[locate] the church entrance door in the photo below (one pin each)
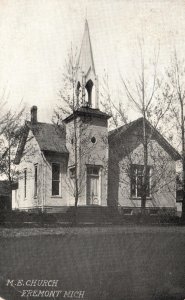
(93, 185)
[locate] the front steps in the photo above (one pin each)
(93, 214)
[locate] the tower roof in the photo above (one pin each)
(85, 64)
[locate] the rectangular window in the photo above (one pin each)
(137, 179)
(55, 179)
(35, 181)
(72, 174)
(25, 182)
(93, 170)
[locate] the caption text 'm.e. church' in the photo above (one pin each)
(27, 292)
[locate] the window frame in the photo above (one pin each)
(93, 167)
(94, 172)
(135, 169)
(72, 176)
(25, 183)
(54, 180)
(35, 180)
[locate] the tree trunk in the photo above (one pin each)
(183, 188)
(145, 157)
(183, 160)
(76, 174)
(9, 162)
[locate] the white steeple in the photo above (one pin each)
(86, 79)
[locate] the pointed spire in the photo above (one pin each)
(85, 68)
(85, 60)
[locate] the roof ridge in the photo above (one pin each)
(161, 139)
(49, 138)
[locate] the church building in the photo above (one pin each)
(81, 162)
(50, 157)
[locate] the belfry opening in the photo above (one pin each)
(89, 88)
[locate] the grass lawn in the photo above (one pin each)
(107, 263)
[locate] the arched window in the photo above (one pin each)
(78, 89)
(89, 86)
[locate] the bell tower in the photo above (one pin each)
(86, 79)
(87, 133)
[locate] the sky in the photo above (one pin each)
(35, 37)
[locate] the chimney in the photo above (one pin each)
(34, 114)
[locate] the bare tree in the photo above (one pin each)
(11, 132)
(69, 101)
(149, 96)
(176, 82)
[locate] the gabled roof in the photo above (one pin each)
(50, 138)
(125, 130)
